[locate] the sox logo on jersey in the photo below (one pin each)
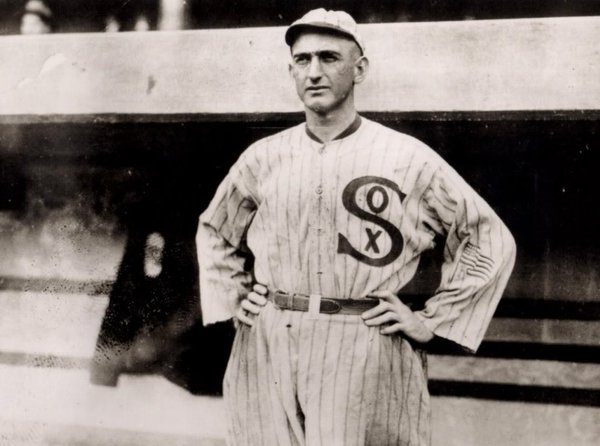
(375, 190)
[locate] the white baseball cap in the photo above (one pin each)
(339, 22)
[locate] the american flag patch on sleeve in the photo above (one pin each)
(477, 264)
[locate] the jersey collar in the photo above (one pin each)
(353, 127)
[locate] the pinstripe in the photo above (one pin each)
(446, 194)
(345, 228)
(319, 252)
(391, 394)
(303, 393)
(407, 392)
(274, 399)
(288, 189)
(489, 310)
(228, 388)
(322, 384)
(267, 204)
(336, 380)
(389, 389)
(253, 180)
(405, 386)
(299, 207)
(248, 427)
(280, 209)
(348, 383)
(360, 429)
(334, 215)
(272, 210)
(219, 218)
(378, 380)
(258, 373)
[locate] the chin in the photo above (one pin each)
(318, 106)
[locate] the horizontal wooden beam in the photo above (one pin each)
(489, 65)
(289, 118)
(523, 372)
(512, 392)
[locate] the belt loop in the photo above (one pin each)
(314, 306)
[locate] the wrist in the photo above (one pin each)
(421, 333)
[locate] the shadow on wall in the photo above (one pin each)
(153, 321)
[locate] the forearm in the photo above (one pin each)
(464, 304)
(223, 279)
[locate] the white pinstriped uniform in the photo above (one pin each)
(343, 219)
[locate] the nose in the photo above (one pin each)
(315, 70)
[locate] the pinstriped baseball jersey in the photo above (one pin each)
(349, 217)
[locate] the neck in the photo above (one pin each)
(327, 126)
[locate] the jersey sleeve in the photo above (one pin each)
(479, 255)
(220, 242)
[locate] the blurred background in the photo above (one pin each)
(119, 118)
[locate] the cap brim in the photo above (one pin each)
(292, 32)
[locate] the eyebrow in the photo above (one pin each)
(317, 53)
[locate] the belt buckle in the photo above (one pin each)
(283, 300)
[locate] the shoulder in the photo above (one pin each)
(396, 140)
(277, 140)
(260, 154)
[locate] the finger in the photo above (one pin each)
(256, 299)
(376, 311)
(244, 318)
(250, 307)
(392, 329)
(387, 296)
(380, 320)
(260, 289)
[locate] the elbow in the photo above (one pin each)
(509, 251)
(512, 247)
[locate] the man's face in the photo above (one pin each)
(324, 69)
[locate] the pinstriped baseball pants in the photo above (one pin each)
(293, 380)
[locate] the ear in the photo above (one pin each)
(290, 68)
(361, 69)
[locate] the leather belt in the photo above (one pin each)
(327, 305)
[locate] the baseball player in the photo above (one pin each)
(335, 213)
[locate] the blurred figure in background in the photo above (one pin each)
(112, 24)
(133, 15)
(37, 18)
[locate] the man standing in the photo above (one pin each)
(335, 213)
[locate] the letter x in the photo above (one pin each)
(372, 244)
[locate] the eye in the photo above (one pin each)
(301, 60)
(329, 57)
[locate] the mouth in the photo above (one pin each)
(316, 89)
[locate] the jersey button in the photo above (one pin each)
(319, 189)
